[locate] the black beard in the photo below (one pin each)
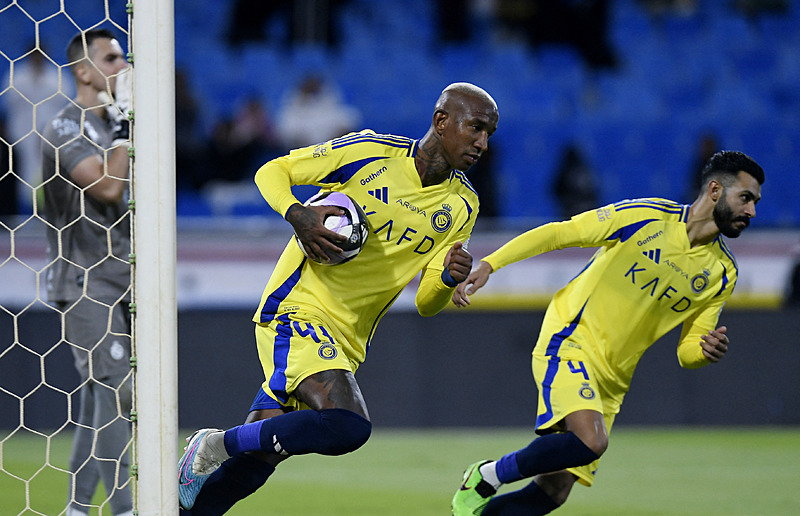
(724, 218)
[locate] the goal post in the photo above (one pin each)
(42, 393)
(154, 249)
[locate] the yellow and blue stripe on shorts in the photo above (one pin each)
(291, 348)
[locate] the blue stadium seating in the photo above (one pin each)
(679, 76)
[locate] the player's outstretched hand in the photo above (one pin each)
(309, 226)
(715, 344)
(474, 281)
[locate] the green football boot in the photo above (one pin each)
(474, 493)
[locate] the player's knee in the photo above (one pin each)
(349, 431)
(598, 443)
(589, 427)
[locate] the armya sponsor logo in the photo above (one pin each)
(407, 205)
(677, 268)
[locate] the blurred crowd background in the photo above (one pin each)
(599, 100)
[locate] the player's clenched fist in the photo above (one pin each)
(458, 262)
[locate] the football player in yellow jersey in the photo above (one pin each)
(315, 321)
(659, 264)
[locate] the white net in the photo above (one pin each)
(66, 379)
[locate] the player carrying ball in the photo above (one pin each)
(315, 321)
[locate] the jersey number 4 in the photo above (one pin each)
(580, 368)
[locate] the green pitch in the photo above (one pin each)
(648, 472)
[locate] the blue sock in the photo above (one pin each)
(236, 479)
(327, 432)
(545, 454)
(531, 500)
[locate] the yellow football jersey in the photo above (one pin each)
(644, 280)
(411, 230)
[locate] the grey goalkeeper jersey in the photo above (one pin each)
(88, 241)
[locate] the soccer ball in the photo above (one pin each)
(352, 225)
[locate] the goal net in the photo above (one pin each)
(70, 438)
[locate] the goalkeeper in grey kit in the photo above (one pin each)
(85, 170)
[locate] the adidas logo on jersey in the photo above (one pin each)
(653, 254)
(382, 194)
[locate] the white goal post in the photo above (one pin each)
(154, 247)
(41, 394)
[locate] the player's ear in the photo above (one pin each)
(440, 118)
(82, 72)
(715, 190)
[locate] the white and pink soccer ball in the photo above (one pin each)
(352, 225)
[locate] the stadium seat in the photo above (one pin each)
(677, 75)
(192, 204)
